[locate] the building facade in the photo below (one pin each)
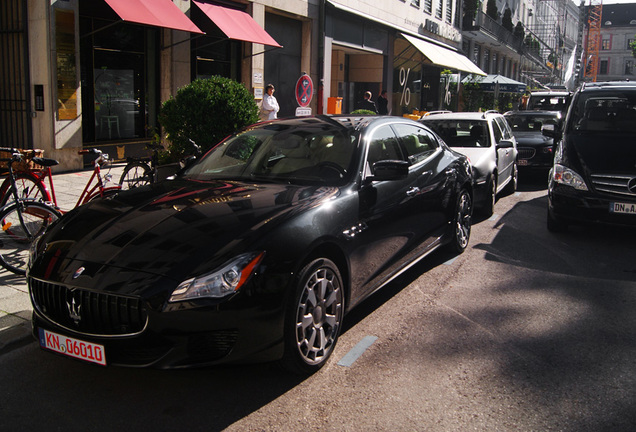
(618, 30)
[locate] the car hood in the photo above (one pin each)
(174, 229)
(603, 153)
(532, 139)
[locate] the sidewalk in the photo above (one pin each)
(15, 306)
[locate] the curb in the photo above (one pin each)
(15, 337)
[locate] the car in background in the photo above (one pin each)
(256, 251)
(593, 178)
(549, 101)
(535, 150)
(487, 140)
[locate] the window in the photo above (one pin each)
(487, 61)
(603, 67)
(449, 11)
(428, 6)
(440, 9)
(629, 44)
(476, 54)
(606, 43)
(629, 67)
(417, 142)
(415, 3)
(383, 146)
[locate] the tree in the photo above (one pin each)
(491, 9)
(470, 11)
(519, 31)
(205, 111)
(506, 20)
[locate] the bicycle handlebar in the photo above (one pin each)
(89, 151)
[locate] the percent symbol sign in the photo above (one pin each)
(406, 91)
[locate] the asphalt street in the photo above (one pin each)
(525, 331)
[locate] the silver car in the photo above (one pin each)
(487, 140)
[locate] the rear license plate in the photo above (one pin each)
(625, 208)
(72, 347)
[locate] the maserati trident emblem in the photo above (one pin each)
(78, 272)
(74, 310)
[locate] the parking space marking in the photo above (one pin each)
(357, 351)
(494, 217)
(451, 261)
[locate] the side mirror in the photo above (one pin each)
(389, 170)
(505, 144)
(551, 131)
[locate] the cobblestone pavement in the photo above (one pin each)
(15, 306)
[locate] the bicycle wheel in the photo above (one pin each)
(29, 187)
(17, 233)
(136, 174)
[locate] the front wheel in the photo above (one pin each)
(313, 319)
(21, 223)
(462, 222)
(136, 174)
(29, 187)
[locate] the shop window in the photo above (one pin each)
(66, 69)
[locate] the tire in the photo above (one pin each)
(489, 206)
(555, 224)
(461, 224)
(313, 319)
(511, 187)
(136, 174)
(28, 188)
(16, 237)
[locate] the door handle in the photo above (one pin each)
(413, 191)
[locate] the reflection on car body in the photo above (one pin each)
(255, 252)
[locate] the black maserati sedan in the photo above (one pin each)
(254, 253)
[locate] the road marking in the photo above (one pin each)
(494, 217)
(451, 261)
(357, 351)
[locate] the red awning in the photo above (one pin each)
(236, 24)
(159, 13)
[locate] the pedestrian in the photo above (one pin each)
(367, 103)
(383, 103)
(269, 107)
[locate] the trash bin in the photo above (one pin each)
(334, 105)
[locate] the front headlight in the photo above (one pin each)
(226, 280)
(564, 175)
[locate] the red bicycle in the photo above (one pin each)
(32, 185)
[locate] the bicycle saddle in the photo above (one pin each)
(45, 162)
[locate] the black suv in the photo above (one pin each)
(593, 178)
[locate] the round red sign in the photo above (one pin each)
(304, 90)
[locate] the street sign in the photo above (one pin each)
(300, 112)
(304, 90)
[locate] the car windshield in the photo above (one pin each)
(281, 153)
(609, 112)
(462, 133)
(548, 102)
(529, 123)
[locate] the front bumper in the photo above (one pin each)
(573, 206)
(241, 330)
(535, 157)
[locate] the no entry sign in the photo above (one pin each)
(304, 90)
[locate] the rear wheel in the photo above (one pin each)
(313, 319)
(136, 174)
(29, 187)
(22, 223)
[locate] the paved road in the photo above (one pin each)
(526, 331)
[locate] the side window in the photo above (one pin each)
(496, 131)
(505, 128)
(417, 142)
(383, 146)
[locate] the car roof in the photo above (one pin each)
(534, 113)
(461, 116)
(608, 85)
(550, 93)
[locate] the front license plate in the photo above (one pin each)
(522, 162)
(72, 347)
(623, 208)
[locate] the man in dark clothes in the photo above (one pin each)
(383, 103)
(367, 103)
